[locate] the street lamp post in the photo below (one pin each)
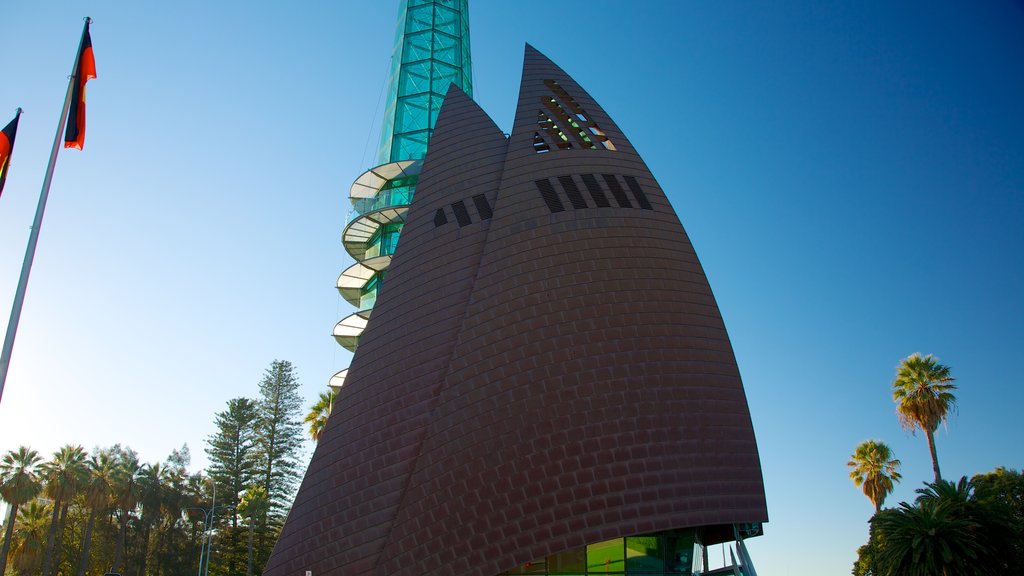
(207, 540)
(202, 541)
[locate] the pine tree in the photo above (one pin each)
(280, 433)
(234, 466)
(279, 430)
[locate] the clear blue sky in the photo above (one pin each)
(851, 174)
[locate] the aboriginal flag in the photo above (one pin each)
(74, 136)
(7, 147)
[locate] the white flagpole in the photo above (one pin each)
(33, 238)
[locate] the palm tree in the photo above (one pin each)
(19, 483)
(151, 497)
(928, 540)
(127, 473)
(29, 539)
(874, 470)
(64, 475)
(923, 392)
(318, 414)
(254, 505)
(102, 473)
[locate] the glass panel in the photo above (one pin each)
(680, 546)
(369, 295)
(442, 76)
(415, 78)
(568, 562)
(412, 146)
(645, 554)
(606, 557)
(446, 20)
(417, 46)
(412, 114)
(419, 18)
(447, 49)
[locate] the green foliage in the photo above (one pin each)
(923, 392)
(316, 419)
(280, 434)
(64, 475)
(874, 470)
(233, 453)
(948, 531)
(109, 510)
(1003, 490)
(19, 483)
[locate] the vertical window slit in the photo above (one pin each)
(617, 191)
(573, 192)
(595, 191)
(461, 214)
(547, 192)
(638, 193)
(483, 207)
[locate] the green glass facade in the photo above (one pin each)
(431, 53)
(675, 553)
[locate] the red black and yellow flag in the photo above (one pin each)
(7, 147)
(74, 136)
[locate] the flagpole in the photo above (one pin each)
(33, 238)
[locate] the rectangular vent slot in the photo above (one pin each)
(595, 191)
(617, 191)
(573, 192)
(440, 219)
(638, 193)
(461, 214)
(547, 192)
(483, 208)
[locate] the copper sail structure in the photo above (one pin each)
(431, 52)
(566, 401)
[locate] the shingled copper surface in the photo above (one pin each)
(532, 380)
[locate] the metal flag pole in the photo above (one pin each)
(33, 239)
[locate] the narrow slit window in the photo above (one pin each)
(483, 207)
(573, 192)
(440, 218)
(638, 193)
(617, 191)
(550, 196)
(594, 187)
(461, 214)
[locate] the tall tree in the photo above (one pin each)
(280, 444)
(29, 538)
(923, 392)
(280, 433)
(254, 508)
(64, 475)
(127, 473)
(233, 450)
(151, 495)
(234, 466)
(316, 419)
(874, 470)
(99, 487)
(19, 483)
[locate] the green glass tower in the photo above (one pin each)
(431, 53)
